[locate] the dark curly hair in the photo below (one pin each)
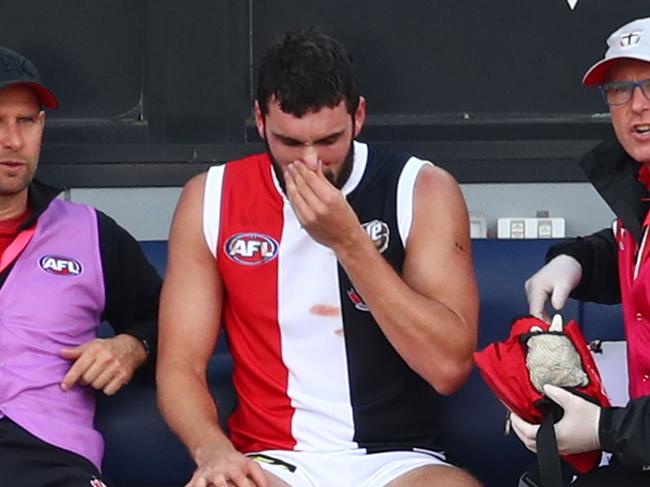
(306, 71)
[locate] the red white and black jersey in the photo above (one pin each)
(312, 369)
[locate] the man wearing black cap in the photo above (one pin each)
(611, 266)
(64, 268)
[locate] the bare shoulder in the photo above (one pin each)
(196, 182)
(191, 199)
(193, 190)
(435, 183)
(438, 198)
(188, 217)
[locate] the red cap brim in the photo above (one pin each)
(45, 97)
(597, 74)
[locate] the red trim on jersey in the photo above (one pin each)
(251, 204)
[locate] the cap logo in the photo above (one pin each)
(11, 64)
(631, 39)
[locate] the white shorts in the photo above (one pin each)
(351, 468)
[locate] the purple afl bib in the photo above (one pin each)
(52, 299)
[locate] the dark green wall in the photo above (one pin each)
(152, 91)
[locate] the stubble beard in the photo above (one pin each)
(12, 185)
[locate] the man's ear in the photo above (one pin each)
(40, 123)
(359, 116)
(259, 120)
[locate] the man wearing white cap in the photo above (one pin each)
(610, 266)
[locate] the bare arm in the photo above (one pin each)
(430, 313)
(190, 314)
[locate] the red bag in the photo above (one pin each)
(503, 367)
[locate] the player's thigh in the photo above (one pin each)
(435, 475)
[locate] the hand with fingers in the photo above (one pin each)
(220, 466)
(576, 432)
(103, 364)
(320, 207)
(554, 281)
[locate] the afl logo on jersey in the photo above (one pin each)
(60, 266)
(379, 233)
(251, 248)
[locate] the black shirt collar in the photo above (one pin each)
(39, 197)
(615, 175)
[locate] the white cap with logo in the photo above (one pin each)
(632, 41)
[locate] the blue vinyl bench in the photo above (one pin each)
(142, 452)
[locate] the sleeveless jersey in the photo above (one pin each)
(312, 369)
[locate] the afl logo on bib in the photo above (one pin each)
(251, 248)
(379, 233)
(60, 266)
